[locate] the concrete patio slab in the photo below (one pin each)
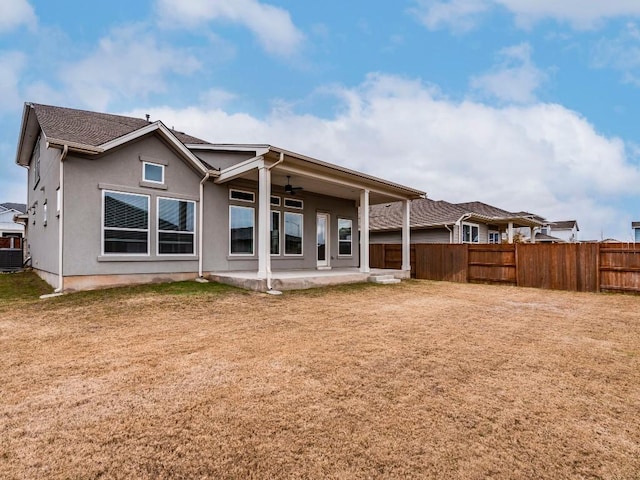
(301, 279)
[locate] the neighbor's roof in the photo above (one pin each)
(635, 224)
(565, 225)
(18, 207)
(542, 237)
(427, 213)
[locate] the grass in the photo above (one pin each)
(417, 380)
(21, 286)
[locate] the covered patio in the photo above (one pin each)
(291, 176)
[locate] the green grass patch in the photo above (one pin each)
(185, 288)
(22, 286)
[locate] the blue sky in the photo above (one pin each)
(524, 104)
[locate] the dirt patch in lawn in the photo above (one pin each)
(423, 379)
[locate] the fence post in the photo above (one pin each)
(515, 260)
(598, 266)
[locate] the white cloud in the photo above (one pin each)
(271, 25)
(459, 15)
(621, 53)
(127, 63)
(515, 79)
(14, 13)
(463, 15)
(541, 158)
(11, 66)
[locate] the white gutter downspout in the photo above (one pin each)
(450, 233)
(280, 160)
(200, 223)
(65, 151)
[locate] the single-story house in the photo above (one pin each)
(437, 221)
(115, 199)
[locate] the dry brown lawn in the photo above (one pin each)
(419, 380)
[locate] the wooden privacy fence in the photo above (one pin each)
(582, 267)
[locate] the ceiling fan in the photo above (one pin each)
(290, 189)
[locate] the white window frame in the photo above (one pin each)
(301, 254)
(44, 213)
(301, 207)
(148, 230)
(158, 231)
(350, 254)
(493, 233)
(144, 172)
(471, 227)
(275, 201)
(253, 239)
(279, 232)
(253, 195)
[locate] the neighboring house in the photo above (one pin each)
(8, 227)
(635, 226)
(437, 221)
(114, 199)
(566, 230)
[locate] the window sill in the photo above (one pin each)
(146, 258)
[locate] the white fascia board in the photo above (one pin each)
(160, 127)
(73, 146)
(370, 182)
(239, 169)
(227, 147)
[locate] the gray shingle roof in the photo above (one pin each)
(92, 128)
(20, 207)
(565, 225)
(432, 213)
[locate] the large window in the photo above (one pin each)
(126, 223)
(637, 230)
(344, 236)
(494, 237)
(470, 233)
(176, 227)
(241, 225)
(293, 229)
(275, 233)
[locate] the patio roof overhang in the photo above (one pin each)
(315, 176)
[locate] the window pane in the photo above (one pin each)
(344, 236)
(241, 223)
(153, 172)
(178, 243)
(275, 233)
(466, 233)
(475, 234)
(123, 210)
(291, 203)
(292, 233)
(123, 241)
(244, 196)
(176, 215)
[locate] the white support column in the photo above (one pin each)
(364, 231)
(510, 232)
(406, 235)
(264, 225)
